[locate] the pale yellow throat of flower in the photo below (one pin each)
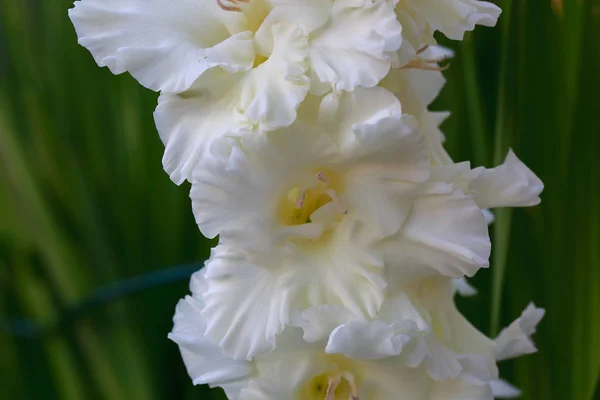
(301, 202)
(336, 385)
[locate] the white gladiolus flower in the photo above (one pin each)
(345, 228)
(243, 64)
(419, 343)
(319, 213)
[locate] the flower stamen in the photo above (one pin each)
(301, 197)
(332, 384)
(335, 380)
(323, 177)
(423, 64)
(422, 49)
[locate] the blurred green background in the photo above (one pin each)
(84, 203)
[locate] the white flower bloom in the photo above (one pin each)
(300, 370)
(420, 19)
(242, 65)
(303, 212)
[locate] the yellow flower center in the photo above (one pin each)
(300, 203)
(338, 385)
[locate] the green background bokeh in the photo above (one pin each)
(84, 203)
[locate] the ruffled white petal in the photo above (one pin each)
(355, 47)
(415, 34)
(165, 45)
(515, 340)
(318, 322)
(445, 234)
(246, 305)
(511, 184)
(248, 302)
(205, 362)
(272, 92)
(370, 340)
(429, 123)
(221, 103)
(416, 89)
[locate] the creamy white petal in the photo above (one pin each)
(515, 340)
(445, 234)
(504, 390)
(248, 302)
(511, 184)
(308, 15)
(189, 122)
(387, 153)
(473, 350)
(399, 307)
(370, 340)
(221, 103)
(416, 88)
(165, 45)
(204, 361)
(355, 47)
(388, 179)
(415, 34)
(489, 216)
(339, 112)
(246, 305)
(442, 362)
(429, 123)
(318, 322)
(273, 91)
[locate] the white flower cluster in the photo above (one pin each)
(345, 229)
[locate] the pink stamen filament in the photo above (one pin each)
(301, 197)
(424, 64)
